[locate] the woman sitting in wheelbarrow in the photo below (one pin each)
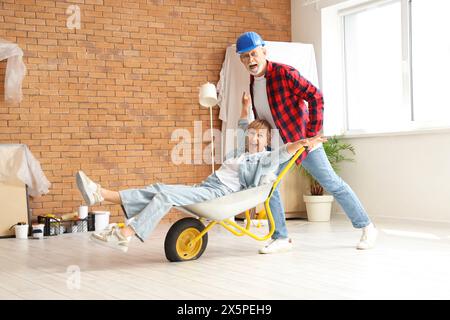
(243, 168)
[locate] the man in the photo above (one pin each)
(278, 93)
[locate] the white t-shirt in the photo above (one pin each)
(228, 173)
(262, 107)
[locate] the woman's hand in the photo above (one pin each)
(246, 103)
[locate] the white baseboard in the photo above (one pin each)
(398, 218)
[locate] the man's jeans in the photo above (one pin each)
(317, 164)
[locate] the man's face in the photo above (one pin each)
(255, 61)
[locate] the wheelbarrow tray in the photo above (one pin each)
(229, 205)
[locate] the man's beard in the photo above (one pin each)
(256, 70)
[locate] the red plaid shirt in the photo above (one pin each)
(287, 92)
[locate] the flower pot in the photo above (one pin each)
(318, 208)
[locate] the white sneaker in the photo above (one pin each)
(277, 245)
(368, 238)
(112, 237)
(89, 189)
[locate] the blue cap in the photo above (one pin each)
(248, 41)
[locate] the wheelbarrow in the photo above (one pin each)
(188, 237)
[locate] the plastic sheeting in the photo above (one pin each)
(15, 70)
(17, 164)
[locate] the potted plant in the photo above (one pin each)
(318, 205)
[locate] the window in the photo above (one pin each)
(430, 30)
(373, 65)
(394, 56)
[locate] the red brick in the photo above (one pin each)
(105, 98)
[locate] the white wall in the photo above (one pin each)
(402, 176)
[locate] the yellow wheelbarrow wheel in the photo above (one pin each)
(178, 246)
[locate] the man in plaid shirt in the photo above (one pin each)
(278, 93)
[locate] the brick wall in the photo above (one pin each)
(105, 98)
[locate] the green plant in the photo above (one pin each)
(334, 149)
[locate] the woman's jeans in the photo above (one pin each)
(149, 205)
(317, 164)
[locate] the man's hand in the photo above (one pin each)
(313, 141)
(246, 103)
(293, 147)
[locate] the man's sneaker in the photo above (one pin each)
(368, 238)
(277, 245)
(89, 189)
(112, 237)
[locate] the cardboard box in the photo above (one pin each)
(13, 207)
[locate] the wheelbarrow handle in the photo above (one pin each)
(274, 186)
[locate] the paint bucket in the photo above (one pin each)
(101, 220)
(37, 231)
(83, 212)
(21, 231)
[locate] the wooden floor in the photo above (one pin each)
(411, 261)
